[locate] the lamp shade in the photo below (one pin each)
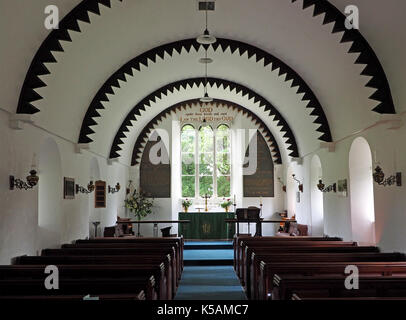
(206, 38)
(206, 98)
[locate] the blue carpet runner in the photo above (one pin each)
(208, 273)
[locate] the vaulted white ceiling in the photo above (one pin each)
(129, 28)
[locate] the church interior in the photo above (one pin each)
(202, 150)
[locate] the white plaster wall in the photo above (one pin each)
(19, 231)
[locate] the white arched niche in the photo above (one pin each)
(94, 213)
(316, 197)
(50, 194)
(361, 192)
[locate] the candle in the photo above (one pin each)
(234, 200)
(260, 201)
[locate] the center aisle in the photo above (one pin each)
(208, 273)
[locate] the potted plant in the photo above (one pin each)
(186, 203)
(140, 205)
(226, 204)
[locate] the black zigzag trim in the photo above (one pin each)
(143, 136)
(51, 43)
(151, 55)
(146, 102)
(360, 45)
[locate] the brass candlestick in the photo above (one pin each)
(205, 202)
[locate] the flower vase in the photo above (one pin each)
(226, 208)
(185, 209)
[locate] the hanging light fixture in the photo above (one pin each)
(206, 37)
(206, 98)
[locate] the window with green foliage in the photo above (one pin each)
(206, 167)
(223, 157)
(188, 141)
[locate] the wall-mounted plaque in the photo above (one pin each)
(100, 194)
(68, 188)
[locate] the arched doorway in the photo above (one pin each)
(361, 192)
(49, 195)
(316, 173)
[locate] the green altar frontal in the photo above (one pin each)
(206, 225)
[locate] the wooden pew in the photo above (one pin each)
(164, 287)
(116, 248)
(303, 297)
(241, 262)
(284, 286)
(132, 261)
(292, 250)
(75, 298)
(133, 285)
(145, 251)
(268, 270)
(178, 241)
(253, 268)
(247, 239)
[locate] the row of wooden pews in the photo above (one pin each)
(127, 268)
(300, 268)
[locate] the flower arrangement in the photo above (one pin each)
(139, 204)
(186, 204)
(226, 204)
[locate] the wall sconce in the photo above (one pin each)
(321, 187)
(379, 178)
(115, 189)
(32, 179)
(298, 181)
(90, 188)
(283, 185)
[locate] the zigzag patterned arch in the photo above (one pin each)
(359, 45)
(44, 55)
(188, 44)
(263, 128)
(163, 91)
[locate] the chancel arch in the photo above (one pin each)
(184, 105)
(361, 191)
(234, 92)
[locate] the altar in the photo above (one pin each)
(207, 225)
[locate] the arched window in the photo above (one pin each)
(223, 163)
(188, 149)
(206, 166)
